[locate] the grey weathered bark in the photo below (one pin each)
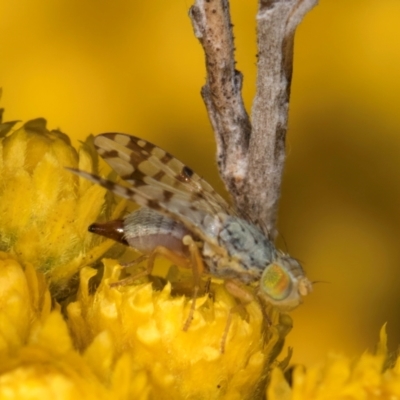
(250, 155)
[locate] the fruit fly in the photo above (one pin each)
(184, 219)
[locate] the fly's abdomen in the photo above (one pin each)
(146, 229)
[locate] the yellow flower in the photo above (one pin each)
(223, 355)
(44, 209)
(24, 302)
(372, 376)
(38, 359)
(128, 342)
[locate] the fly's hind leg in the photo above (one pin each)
(129, 280)
(195, 262)
(159, 251)
(197, 268)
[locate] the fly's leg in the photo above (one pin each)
(197, 268)
(237, 290)
(134, 262)
(207, 287)
(196, 263)
(159, 251)
(241, 294)
(129, 280)
(226, 331)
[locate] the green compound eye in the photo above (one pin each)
(276, 282)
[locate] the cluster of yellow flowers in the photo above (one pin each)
(65, 336)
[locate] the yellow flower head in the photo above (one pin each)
(147, 325)
(128, 342)
(37, 358)
(44, 209)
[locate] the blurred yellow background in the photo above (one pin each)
(134, 66)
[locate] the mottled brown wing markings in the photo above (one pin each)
(158, 176)
(166, 158)
(158, 200)
(167, 195)
(175, 174)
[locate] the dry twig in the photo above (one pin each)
(250, 155)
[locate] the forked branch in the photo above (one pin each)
(250, 155)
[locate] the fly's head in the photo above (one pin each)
(283, 283)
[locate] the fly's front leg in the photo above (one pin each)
(197, 268)
(240, 292)
(237, 290)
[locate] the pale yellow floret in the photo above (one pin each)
(46, 210)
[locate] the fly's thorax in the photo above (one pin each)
(283, 283)
(245, 243)
(241, 250)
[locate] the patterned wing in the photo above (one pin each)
(139, 162)
(161, 182)
(165, 202)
